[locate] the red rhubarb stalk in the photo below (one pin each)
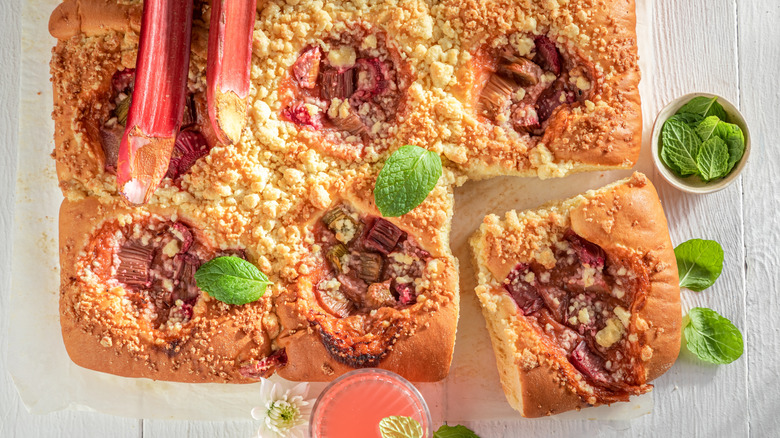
(229, 61)
(158, 98)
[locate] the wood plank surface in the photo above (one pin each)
(759, 48)
(696, 50)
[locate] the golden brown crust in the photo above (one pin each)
(93, 17)
(530, 382)
(81, 77)
(630, 216)
(102, 331)
(422, 349)
(603, 132)
(263, 192)
(625, 216)
(423, 355)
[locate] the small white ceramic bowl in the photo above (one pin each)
(693, 183)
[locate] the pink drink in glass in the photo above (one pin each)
(355, 403)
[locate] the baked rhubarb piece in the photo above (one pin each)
(523, 89)
(264, 127)
(190, 143)
(130, 305)
(548, 92)
(376, 292)
(348, 90)
(229, 62)
(158, 98)
(95, 78)
(581, 298)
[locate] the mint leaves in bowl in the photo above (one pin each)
(700, 143)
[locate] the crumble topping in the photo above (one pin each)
(581, 303)
(260, 193)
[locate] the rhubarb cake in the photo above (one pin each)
(260, 130)
(536, 88)
(581, 298)
(377, 291)
(129, 305)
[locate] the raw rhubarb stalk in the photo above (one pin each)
(229, 61)
(158, 98)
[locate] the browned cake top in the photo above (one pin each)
(528, 88)
(586, 292)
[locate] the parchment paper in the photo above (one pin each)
(48, 381)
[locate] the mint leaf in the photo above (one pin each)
(699, 263)
(691, 120)
(732, 135)
(679, 147)
(713, 159)
(232, 280)
(735, 140)
(706, 128)
(406, 179)
(454, 432)
(704, 107)
(400, 427)
(712, 337)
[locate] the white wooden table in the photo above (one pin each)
(727, 47)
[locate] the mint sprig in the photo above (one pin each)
(699, 263)
(232, 280)
(698, 140)
(708, 335)
(406, 179)
(711, 337)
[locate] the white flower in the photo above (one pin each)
(284, 413)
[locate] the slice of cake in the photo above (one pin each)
(581, 298)
(129, 304)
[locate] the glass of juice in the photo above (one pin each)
(355, 403)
